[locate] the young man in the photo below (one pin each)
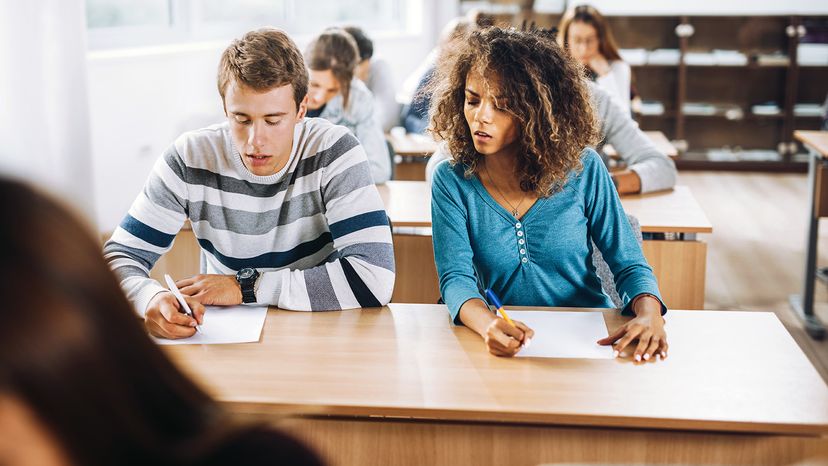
(284, 207)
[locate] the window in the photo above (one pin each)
(136, 23)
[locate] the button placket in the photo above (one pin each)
(521, 242)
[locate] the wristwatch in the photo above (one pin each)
(246, 279)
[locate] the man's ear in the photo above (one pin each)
(303, 108)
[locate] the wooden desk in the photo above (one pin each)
(413, 151)
(659, 139)
(401, 385)
(678, 260)
(817, 143)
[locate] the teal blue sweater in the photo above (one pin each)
(543, 259)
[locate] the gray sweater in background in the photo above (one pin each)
(656, 170)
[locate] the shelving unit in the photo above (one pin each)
(753, 138)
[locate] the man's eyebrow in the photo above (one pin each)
(269, 115)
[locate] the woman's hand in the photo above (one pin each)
(501, 338)
(647, 327)
(505, 339)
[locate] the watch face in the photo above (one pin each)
(244, 274)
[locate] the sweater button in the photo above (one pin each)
(521, 241)
(523, 251)
(517, 225)
(520, 233)
(524, 260)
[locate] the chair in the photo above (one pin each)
(393, 156)
(603, 270)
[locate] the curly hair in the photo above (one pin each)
(544, 92)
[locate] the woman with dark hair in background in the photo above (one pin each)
(586, 34)
(80, 381)
(376, 73)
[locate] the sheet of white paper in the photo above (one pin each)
(564, 334)
(226, 324)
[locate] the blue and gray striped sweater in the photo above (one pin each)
(317, 230)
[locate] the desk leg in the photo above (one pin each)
(803, 305)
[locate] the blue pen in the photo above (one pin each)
(492, 297)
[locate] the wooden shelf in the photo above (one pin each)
(676, 84)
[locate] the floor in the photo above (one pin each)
(756, 252)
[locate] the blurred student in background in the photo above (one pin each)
(586, 34)
(416, 87)
(376, 73)
(336, 95)
(80, 381)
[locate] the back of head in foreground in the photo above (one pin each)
(73, 353)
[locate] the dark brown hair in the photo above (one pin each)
(337, 51)
(544, 92)
(263, 59)
(73, 350)
(589, 15)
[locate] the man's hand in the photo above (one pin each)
(216, 290)
(164, 318)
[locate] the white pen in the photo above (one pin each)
(180, 298)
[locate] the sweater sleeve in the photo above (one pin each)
(148, 230)
(452, 247)
(655, 169)
(612, 233)
(360, 273)
(369, 133)
(385, 95)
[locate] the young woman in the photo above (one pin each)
(80, 381)
(585, 33)
(337, 96)
(516, 207)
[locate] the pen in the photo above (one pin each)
(496, 302)
(184, 306)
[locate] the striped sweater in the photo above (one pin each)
(316, 230)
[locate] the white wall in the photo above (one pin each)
(44, 117)
(142, 99)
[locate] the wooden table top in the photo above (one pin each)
(412, 144)
(817, 140)
(675, 211)
(408, 204)
(659, 139)
(726, 371)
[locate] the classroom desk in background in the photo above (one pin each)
(412, 153)
(803, 305)
(659, 139)
(402, 386)
(674, 217)
(414, 150)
